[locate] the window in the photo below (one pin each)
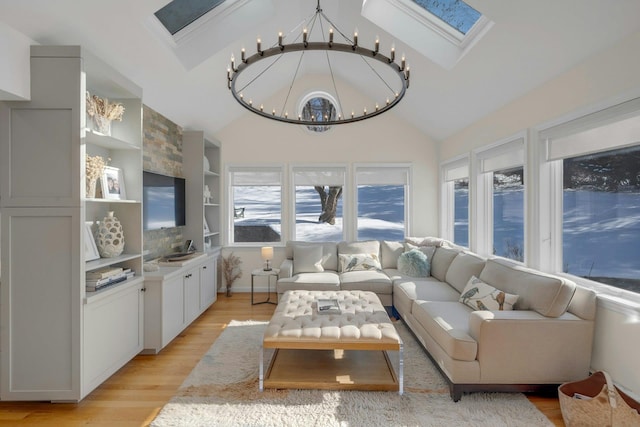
(256, 200)
(595, 179)
(177, 14)
(508, 213)
(500, 202)
(319, 107)
(381, 200)
(461, 212)
(455, 201)
(601, 217)
(455, 13)
(318, 197)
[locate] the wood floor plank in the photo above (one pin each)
(135, 394)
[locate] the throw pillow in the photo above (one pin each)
(359, 262)
(480, 296)
(414, 263)
(307, 259)
(427, 250)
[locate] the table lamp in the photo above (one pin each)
(267, 256)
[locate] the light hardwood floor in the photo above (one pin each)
(136, 393)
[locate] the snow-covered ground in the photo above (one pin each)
(601, 230)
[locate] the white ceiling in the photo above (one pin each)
(530, 43)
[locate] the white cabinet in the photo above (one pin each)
(175, 297)
(58, 341)
(203, 212)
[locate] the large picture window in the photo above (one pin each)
(455, 201)
(382, 195)
(256, 200)
(601, 217)
(318, 196)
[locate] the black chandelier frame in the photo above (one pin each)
(401, 70)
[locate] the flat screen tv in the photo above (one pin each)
(163, 201)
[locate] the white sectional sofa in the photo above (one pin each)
(543, 341)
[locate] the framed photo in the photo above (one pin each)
(206, 226)
(112, 183)
(90, 248)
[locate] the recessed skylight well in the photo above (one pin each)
(442, 30)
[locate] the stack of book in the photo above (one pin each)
(98, 279)
(328, 306)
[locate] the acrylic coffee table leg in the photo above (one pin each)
(261, 377)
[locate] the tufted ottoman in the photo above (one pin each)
(310, 346)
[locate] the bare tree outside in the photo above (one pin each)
(329, 197)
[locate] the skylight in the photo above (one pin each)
(455, 13)
(178, 14)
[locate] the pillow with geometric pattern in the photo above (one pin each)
(480, 296)
(359, 262)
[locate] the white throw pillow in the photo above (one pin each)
(307, 259)
(480, 296)
(359, 262)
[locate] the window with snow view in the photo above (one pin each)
(508, 213)
(461, 212)
(601, 217)
(256, 198)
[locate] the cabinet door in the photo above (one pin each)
(41, 303)
(191, 294)
(113, 334)
(173, 315)
(208, 288)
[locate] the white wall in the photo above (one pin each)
(15, 68)
(383, 139)
(602, 80)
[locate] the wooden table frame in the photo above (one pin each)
(364, 344)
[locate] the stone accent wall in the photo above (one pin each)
(162, 153)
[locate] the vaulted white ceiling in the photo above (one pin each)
(529, 43)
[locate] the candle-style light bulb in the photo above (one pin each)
(339, 116)
(330, 35)
(261, 107)
(233, 62)
(251, 103)
(243, 55)
(353, 114)
(228, 73)
(355, 38)
(273, 112)
(377, 45)
(393, 54)
(286, 114)
(280, 39)
(259, 43)
(365, 111)
(408, 71)
(304, 36)
(299, 117)
(241, 97)
(387, 101)
(377, 107)
(402, 63)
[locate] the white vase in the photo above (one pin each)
(110, 239)
(102, 124)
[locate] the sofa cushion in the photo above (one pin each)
(364, 247)
(414, 263)
(448, 324)
(307, 259)
(441, 261)
(359, 262)
(427, 250)
(480, 296)
(325, 281)
(389, 253)
(425, 241)
(329, 252)
(462, 268)
(371, 280)
(548, 295)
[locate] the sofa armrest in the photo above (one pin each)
(286, 269)
(525, 347)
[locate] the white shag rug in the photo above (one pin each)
(222, 390)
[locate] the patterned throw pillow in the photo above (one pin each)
(414, 263)
(480, 296)
(359, 262)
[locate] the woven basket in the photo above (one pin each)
(595, 401)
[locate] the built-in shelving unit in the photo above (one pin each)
(59, 341)
(202, 170)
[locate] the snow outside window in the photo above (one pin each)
(381, 199)
(508, 213)
(318, 196)
(255, 205)
(597, 224)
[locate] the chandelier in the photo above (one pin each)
(241, 90)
